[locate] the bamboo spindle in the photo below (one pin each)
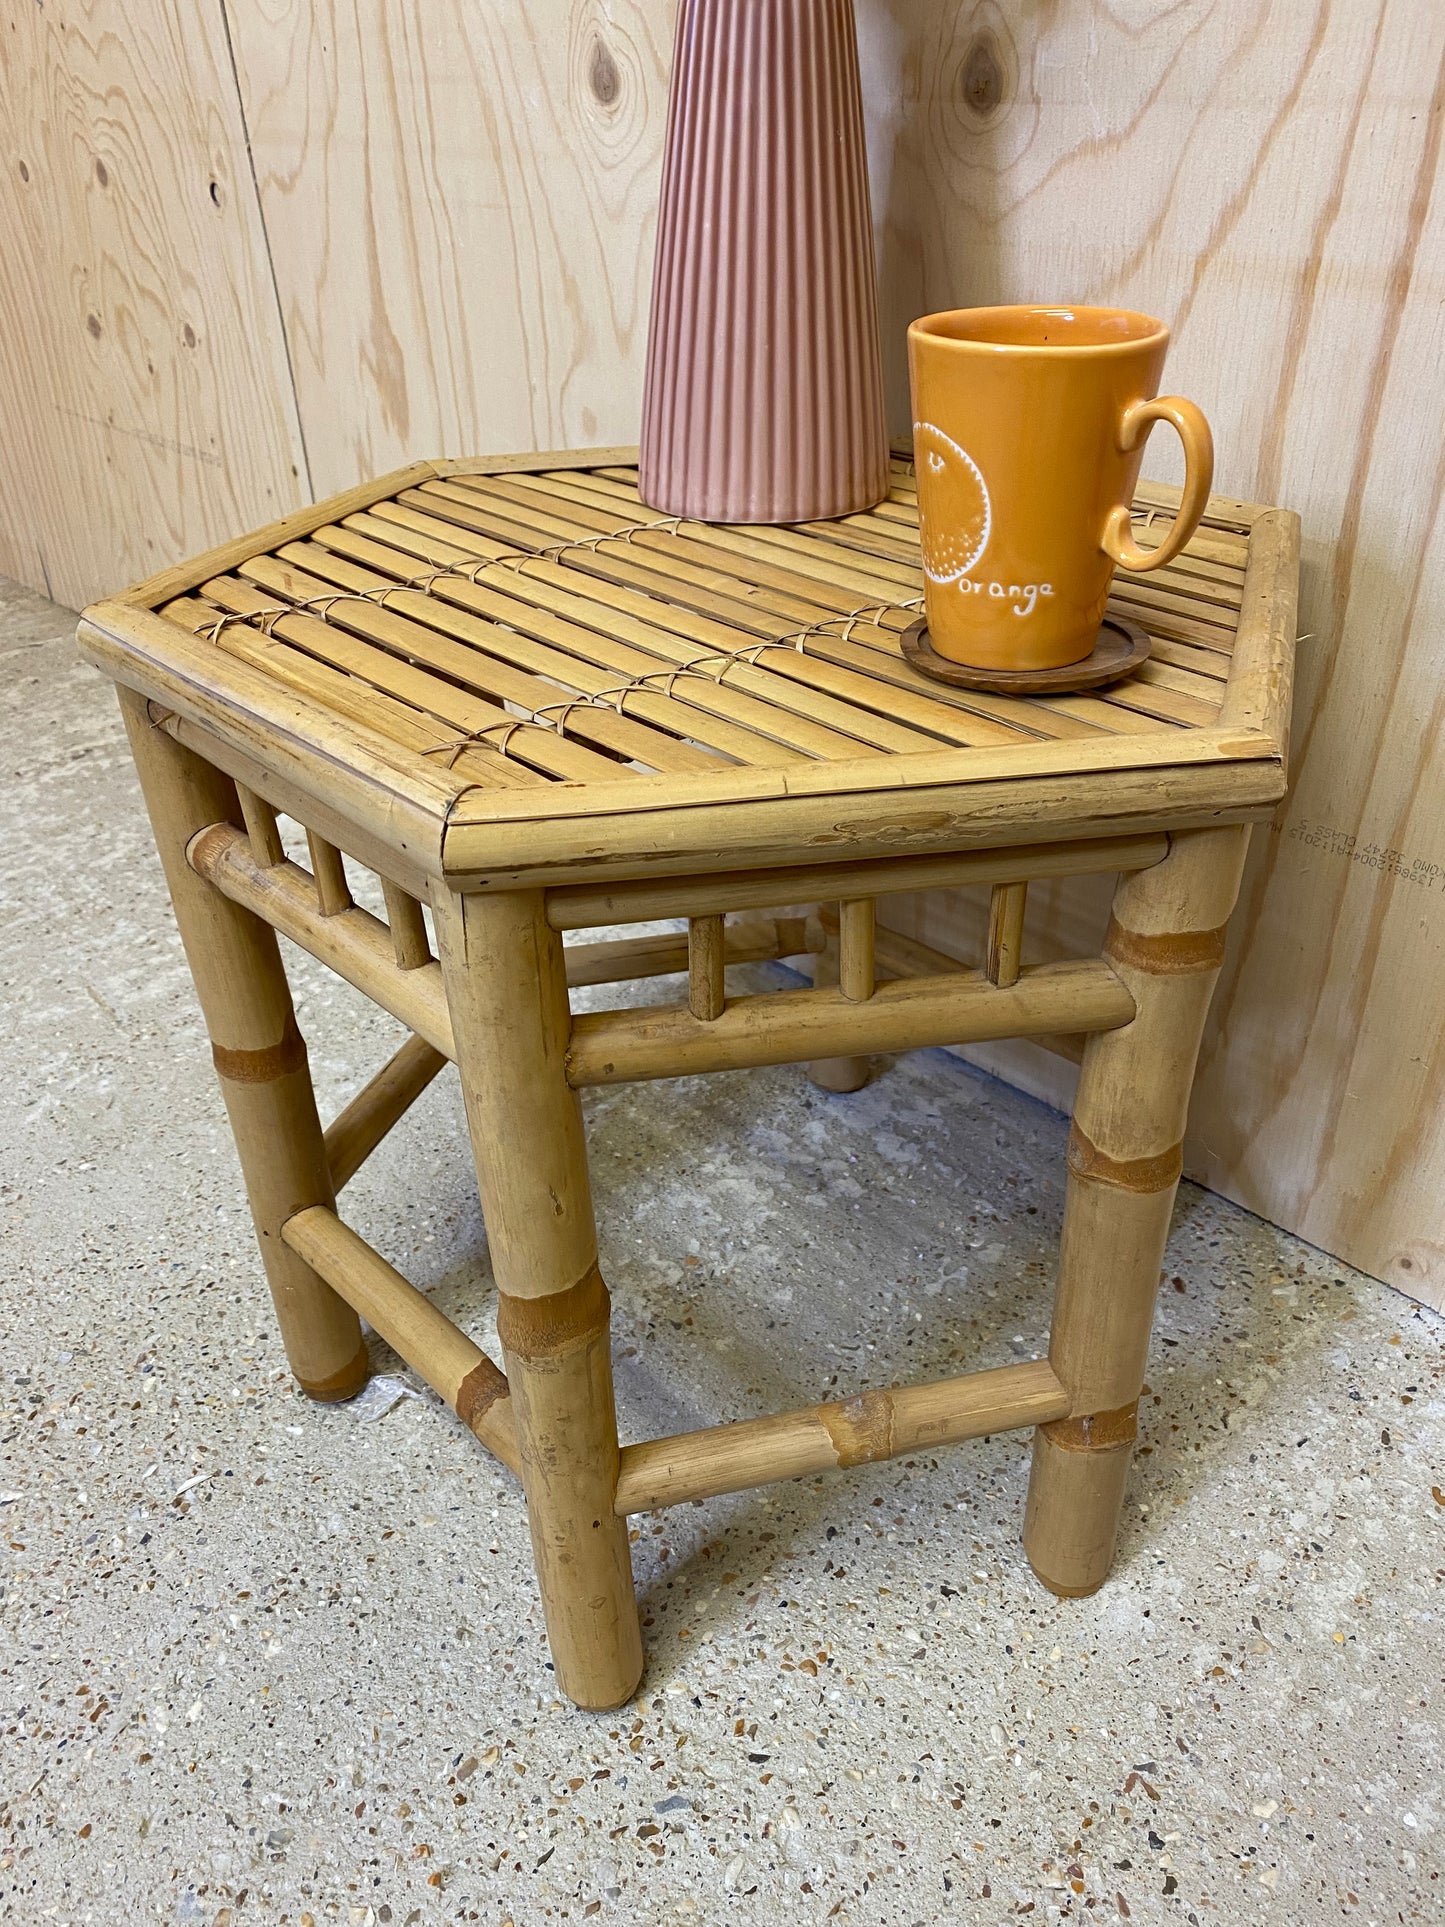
(355, 1133)
(456, 1369)
(358, 946)
(837, 1074)
(353, 943)
(332, 891)
(260, 821)
(1003, 956)
(507, 991)
(900, 956)
(749, 940)
(259, 1054)
(706, 990)
(857, 924)
(408, 927)
(1166, 943)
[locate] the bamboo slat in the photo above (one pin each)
(409, 728)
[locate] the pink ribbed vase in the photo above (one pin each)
(764, 391)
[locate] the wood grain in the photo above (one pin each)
(460, 202)
(1264, 176)
(144, 390)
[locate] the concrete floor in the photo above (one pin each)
(268, 1662)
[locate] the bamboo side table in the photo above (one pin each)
(527, 703)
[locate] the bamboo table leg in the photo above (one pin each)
(507, 990)
(1166, 941)
(841, 1074)
(259, 1054)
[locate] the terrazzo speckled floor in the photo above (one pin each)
(265, 1662)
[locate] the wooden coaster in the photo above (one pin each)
(1121, 647)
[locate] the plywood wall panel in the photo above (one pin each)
(460, 200)
(1267, 177)
(144, 392)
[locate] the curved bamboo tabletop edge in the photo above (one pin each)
(1186, 754)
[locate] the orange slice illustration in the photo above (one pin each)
(957, 515)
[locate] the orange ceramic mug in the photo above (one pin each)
(1029, 427)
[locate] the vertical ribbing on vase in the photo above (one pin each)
(764, 389)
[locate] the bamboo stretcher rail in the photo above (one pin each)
(353, 943)
(456, 1369)
(825, 1438)
(749, 940)
(356, 1131)
(901, 956)
(358, 946)
(582, 906)
(794, 1026)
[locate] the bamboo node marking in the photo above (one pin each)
(542, 1328)
(262, 1066)
(861, 1429)
(1149, 1174)
(341, 1385)
(1176, 954)
(479, 1392)
(1095, 1431)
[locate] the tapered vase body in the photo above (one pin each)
(764, 389)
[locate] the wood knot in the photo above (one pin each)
(983, 79)
(603, 76)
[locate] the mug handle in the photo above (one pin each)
(1192, 429)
